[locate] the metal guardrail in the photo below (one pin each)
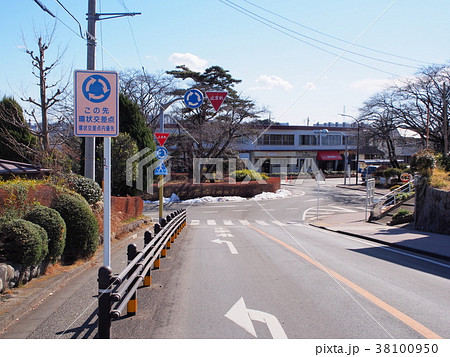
(391, 199)
(115, 292)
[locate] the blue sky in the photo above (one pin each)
(294, 80)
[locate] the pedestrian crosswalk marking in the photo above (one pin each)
(211, 222)
(262, 223)
(227, 222)
(195, 222)
(244, 222)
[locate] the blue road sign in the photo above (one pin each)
(96, 88)
(161, 169)
(193, 98)
(161, 153)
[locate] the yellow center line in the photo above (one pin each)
(417, 326)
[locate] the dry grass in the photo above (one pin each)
(440, 179)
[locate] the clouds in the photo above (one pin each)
(371, 85)
(268, 82)
(194, 62)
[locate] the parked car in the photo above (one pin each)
(368, 171)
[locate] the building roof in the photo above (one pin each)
(20, 168)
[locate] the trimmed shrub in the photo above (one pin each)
(54, 225)
(23, 242)
(242, 175)
(424, 161)
(401, 213)
(86, 187)
(82, 227)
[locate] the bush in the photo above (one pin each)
(86, 187)
(401, 213)
(54, 225)
(424, 161)
(443, 162)
(23, 242)
(82, 227)
(392, 172)
(251, 175)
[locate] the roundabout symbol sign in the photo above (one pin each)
(193, 98)
(96, 88)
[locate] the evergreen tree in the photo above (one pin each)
(14, 132)
(132, 121)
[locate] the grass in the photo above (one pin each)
(440, 179)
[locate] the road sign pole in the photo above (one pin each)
(107, 203)
(161, 197)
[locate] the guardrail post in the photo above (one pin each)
(132, 303)
(148, 275)
(157, 229)
(104, 302)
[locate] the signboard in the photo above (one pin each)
(161, 137)
(161, 169)
(406, 177)
(161, 153)
(193, 98)
(96, 103)
(216, 99)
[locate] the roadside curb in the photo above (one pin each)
(394, 245)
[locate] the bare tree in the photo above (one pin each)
(48, 113)
(149, 91)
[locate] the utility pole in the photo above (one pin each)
(445, 121)
(92, 18)
(89, 142)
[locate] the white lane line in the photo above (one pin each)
(278, 223)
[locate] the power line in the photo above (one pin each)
(315, 40)
(334, 37)
(257, 18)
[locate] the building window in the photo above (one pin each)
(276, 139)
(308, 140)
(332, 140)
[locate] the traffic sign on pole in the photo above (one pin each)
(193, 98)
(161, 169)
(161, 137)
(161, 153)
(216, 99)
(96, 103)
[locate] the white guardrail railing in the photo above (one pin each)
(392, 198)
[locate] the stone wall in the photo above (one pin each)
(432, 210)
(188, 190)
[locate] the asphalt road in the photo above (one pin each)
(255, 269)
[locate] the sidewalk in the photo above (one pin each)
(354, 224)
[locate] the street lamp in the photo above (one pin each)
(357, 144)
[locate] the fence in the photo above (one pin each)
(115, 292)
(389, 201)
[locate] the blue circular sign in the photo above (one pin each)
(96, 88)
(193, 98)
(161, 153)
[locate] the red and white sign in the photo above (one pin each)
(216, 99)
(161, 137)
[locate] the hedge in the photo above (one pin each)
(54, 225)
(82, 228)
(23, 242)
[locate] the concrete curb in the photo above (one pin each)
(394, 245)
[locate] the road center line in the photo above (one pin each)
(415, 325)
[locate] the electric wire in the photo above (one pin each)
(303, 41)
(336, 38)
(268, 22)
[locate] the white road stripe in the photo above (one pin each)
(195, 222)
(211, 222)
(244, 222)
(228, 222)
(262, 223)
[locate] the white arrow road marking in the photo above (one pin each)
(228, 243)
(224, 235)
(243, 316)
